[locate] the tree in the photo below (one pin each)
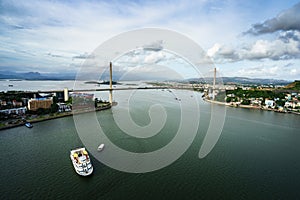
(228, 99)
(96, 102)
(246, 102)
(54, 108)
(280, 103)
(42, 111)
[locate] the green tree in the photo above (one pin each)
(42, 111)
(280, 103)
(96, 102)
(54, 108)
(229, 99)
(246, 102)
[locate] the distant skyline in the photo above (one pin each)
(256, 39)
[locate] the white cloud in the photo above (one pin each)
(53, 35)
(154, 57)
(285, 47)
(294, 72)
(154, 46)
(268, 71)
(284, 21)
(80, 26)
(214, 50)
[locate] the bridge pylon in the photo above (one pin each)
(110, 84)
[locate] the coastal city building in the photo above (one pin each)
(63, 107)
(269, 103)
(17, 103)
(17, 111)
(34, 104)
(3, 103)
(66, 94)
(255, 101)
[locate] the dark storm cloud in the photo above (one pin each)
(285, 21)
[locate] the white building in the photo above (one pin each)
(255, 101)
(288, 104)
(63, 107)
(269, 102)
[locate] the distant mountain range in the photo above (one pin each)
(72, 76)
(35, 76)
(243, 80)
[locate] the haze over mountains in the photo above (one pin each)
(72, 76)
(244, 80)
(36, 76)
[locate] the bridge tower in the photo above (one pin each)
(110, 84)
(214, 83)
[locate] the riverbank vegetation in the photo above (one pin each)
(276, 100)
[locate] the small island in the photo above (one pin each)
(103, 82)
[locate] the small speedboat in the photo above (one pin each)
(81, 161)
(100, 148)
(28, 125)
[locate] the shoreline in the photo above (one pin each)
(248, 107)
(58, 115)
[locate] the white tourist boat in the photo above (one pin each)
(81, 161)
(100, 147)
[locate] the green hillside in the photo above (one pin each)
(293, 86)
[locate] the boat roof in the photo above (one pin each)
(78, 149)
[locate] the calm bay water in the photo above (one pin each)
(24, 85)
(256, 157)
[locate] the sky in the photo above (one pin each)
(255, 39)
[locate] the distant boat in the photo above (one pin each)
(101, 147)
(81, 161)
(28, 125)
(10, 85)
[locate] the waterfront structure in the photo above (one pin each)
(255, 101)
(63, 107)
(292, 104)
(17, 103)
(17, 111)
(34, 104)
(82, 101)
(269, 103)
(66, 94)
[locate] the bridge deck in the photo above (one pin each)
(108, 89)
